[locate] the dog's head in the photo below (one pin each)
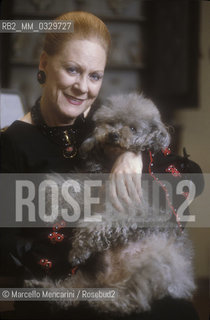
(128, 122)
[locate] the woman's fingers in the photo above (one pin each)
(125, 181)
(137, 177)
(117, 192)
(125, 190)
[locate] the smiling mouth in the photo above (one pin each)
(73, 100)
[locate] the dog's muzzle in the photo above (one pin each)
(113, 137)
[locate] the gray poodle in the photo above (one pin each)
(126, 122)
(142, 264)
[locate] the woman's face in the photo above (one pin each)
(73, 80)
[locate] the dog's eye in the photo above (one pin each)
(133, 129)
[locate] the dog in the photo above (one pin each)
(128, 122)
(143, 264)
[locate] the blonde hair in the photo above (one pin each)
(86, 26)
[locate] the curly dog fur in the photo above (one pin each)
(124, 123)
(142, 264)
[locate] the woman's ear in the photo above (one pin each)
(43, 61)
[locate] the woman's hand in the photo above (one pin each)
(125, 180)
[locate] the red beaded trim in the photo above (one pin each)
(57, 226)
(165, 190)
(74, 270)
(45, 263)
(166, 151)
(56, 237)
(173, 170)
(185, 194)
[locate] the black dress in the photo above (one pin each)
(24, 149)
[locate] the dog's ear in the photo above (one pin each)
(158, 138)
(87, 146)
(153, 136)
(163, 137)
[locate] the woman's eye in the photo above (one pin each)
(72, 70)
(96, 76)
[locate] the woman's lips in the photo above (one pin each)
(73, 100)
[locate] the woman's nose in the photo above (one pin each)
(81, 84)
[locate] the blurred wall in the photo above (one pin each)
(196, 138)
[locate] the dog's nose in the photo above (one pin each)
(113, 136)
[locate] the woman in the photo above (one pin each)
(71, 70)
